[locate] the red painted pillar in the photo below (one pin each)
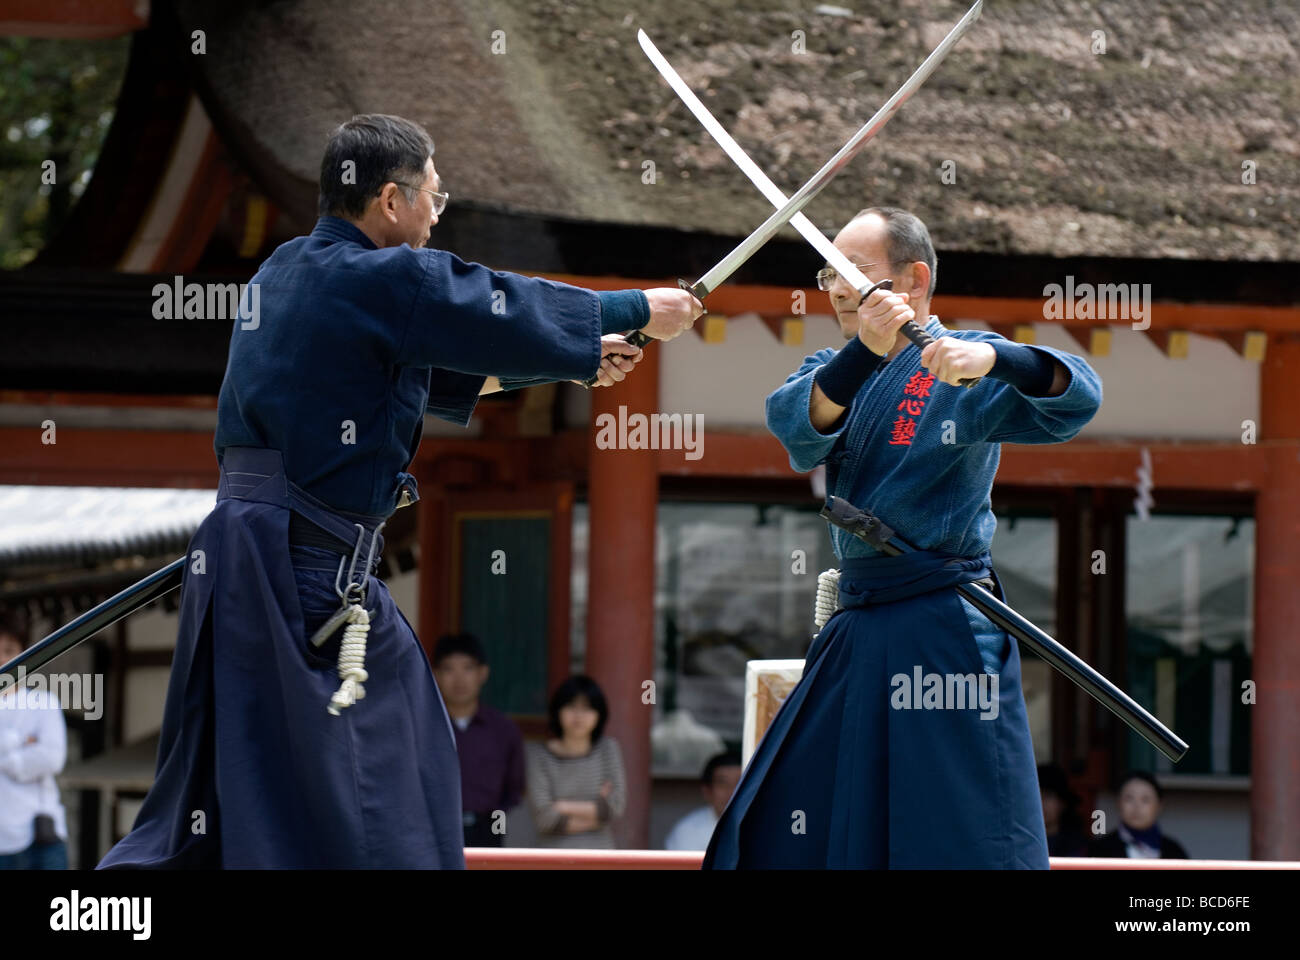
(1275, 756)
(623, 497)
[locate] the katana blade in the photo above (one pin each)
(747, 247)
(747, 166)
(819, 241)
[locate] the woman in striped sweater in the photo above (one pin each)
(576, 783)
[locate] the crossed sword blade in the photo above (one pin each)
(789, 209)
(819, 241)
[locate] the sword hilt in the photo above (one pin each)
(638, 339)
(911, 330)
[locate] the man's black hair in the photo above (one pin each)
(730, 758)
(365, 153)
(465, 643)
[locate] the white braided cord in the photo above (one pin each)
(828, 597)
(352, 660)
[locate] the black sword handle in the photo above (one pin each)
(912, 331)
(638, 339)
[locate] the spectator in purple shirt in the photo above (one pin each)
(490, 746)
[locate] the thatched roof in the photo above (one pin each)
(1136, 152)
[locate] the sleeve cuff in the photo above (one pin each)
(509, 384)
(623, 310)
(453, 395)
(842, 376)
(1028, 370)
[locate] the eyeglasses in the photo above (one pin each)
(439, 199)
(827, 276)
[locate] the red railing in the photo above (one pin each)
(519, 858)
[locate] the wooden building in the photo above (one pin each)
(1161, 544)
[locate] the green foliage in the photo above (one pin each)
(57, 99)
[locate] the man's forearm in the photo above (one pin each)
(1036, 373)
(838, 381)
(1060, 379)
(823, 412)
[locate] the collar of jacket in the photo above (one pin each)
(336, 228)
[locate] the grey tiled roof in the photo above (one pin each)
(84, 526)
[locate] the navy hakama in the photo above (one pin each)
(253, 772)
(852, 775)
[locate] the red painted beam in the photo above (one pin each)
(69, 19)
(775, 302)
(68, 398)
(1190, 466)
(1186, 466)
(1275, 666)
(174, 458)
(730, 454)
(108, 458)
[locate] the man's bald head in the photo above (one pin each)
(885, 243)
(905, 238)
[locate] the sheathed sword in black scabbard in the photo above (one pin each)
(157, 584)
(870, 529)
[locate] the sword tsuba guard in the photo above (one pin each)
(885, 284)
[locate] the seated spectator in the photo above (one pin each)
(33, 748)
(489, 745)
(576, 782)
(718, 783)
(1139, 834)
(1065, 833)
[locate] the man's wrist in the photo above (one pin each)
(842, 376)
(1029, 370)
(623, 310)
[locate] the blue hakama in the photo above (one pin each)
(253, 772)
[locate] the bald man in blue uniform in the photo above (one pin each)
(857, 769)
(278, 751)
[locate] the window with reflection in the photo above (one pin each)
(1189, 593)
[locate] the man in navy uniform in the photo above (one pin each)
(285, 748)
(852, 772)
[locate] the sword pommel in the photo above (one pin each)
(861, 524)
